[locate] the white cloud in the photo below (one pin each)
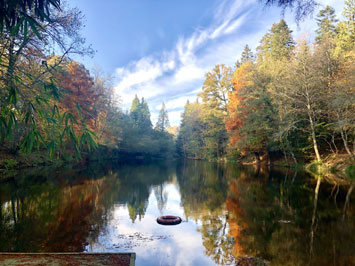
(174, 117)
(173, 76)
(176, 70)
(187, 73)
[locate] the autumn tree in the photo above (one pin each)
(214, 95)
(251, 121)
(79, 97)
(216, 87)
(29, 94)
(304, 95)
(234, 121)
(341, 103)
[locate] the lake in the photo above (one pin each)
(228, 211)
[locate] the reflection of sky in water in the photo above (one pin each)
(154, 244)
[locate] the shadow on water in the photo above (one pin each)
(279, 215)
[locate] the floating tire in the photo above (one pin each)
(169, 220)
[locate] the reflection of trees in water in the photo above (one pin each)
(216, 238)
(246, 211)
(272, 220)
(47, 217)
(65, 212)
(241, 213)
(203, 189)
(161, 197)
(136, 183)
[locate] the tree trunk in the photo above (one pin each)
(316, 191)
(347, 200)
(257, 157)
(313, 132)
(344, 137)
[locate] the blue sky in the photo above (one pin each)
(161, 49)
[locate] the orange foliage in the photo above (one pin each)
(235, 119)
(235, 220)
(78, 84)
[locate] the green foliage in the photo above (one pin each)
(140, 114)
(345, 37)
(295, 100)
(136, 137)
(31, 112)
(246, 56)
(326, 23)
(350, 171)
(276, 45)
(18, 15)
(9, 163)
(216, 87)
(163, 119)
(202, 132)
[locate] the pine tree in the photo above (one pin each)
(145, 119)
(326, 21)
(277, 44)
(345, 37)
(135, 111)
(140, 114)
(247, 55)
(163, 119)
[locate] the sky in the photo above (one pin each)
(162, 49)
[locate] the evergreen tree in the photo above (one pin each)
(140, 114)
(190, 141)
(135, 111)
(146, 123)
(345, 37)
(163, 119)
(326, 21)
(247, 55)
(277, 44)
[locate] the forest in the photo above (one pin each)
(290, 99)
(53, 107)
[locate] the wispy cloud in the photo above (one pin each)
(175, 75)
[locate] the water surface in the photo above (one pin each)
(228, 211)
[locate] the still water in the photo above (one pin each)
(228, 211)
